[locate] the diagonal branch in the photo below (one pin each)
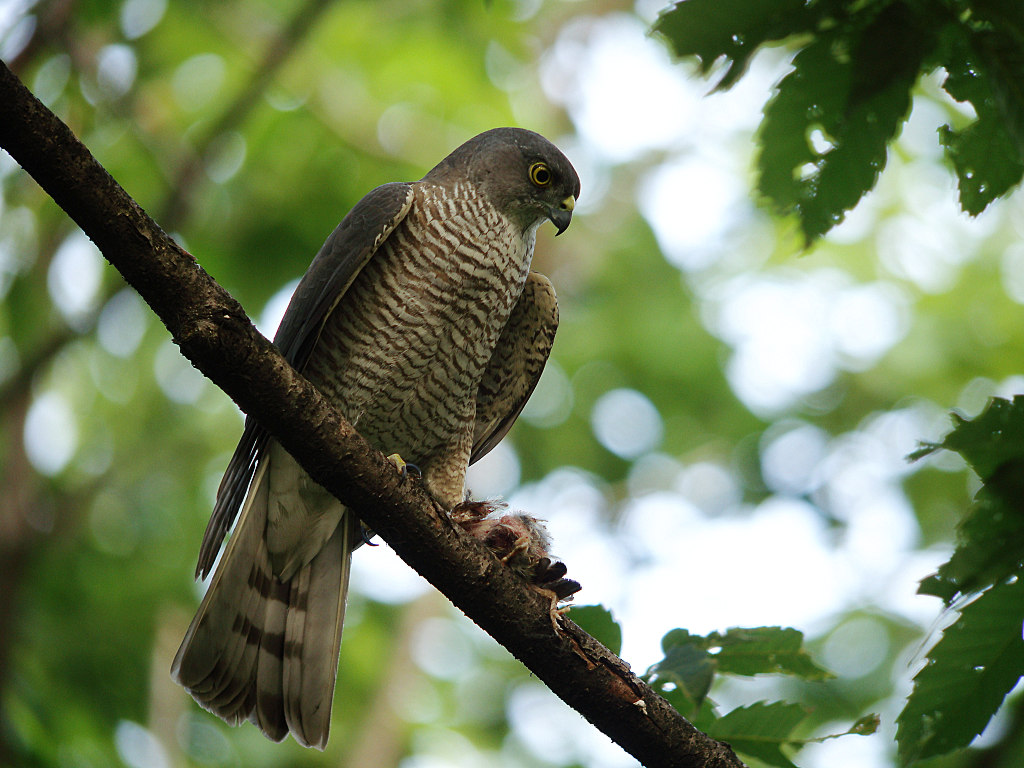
(215, 334)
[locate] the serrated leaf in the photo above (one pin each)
(689, 669)
(597, 621)
(764, 650)
(984, 160)
(992, 438)
(969, 672)
(986, 155)
(735, 29)
(990, 539)
(854, 128)
(1000, 44)
(826, 95)
(851, 90)
(803, 96)
(760, 730)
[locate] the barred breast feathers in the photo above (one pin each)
(404, 360)
(455, 262)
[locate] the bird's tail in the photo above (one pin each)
(264, 649)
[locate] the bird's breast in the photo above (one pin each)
(403, 352)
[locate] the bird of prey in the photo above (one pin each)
(421, 320)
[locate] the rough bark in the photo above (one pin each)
(214, 333)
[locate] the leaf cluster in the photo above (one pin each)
(760, 730)
(825, 134)
(688, 670)
(980, 657)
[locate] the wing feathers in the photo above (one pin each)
(516, 363)
(231, 493)
(353, 243)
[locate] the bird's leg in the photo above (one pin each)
(520, 548)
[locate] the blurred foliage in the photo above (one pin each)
(598, 623)
(826, 131)
(760, 730)
(248, 128)
(691, 662)
(980, 657)
(969, 671)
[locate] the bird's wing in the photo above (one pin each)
(516, 364)
(342, 256)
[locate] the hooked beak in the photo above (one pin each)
(561, 215)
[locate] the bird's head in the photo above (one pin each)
(524, 176)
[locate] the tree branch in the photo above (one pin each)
(215, 334)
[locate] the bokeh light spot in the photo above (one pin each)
(626, 423)
(51, 433)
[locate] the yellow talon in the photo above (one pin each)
(521, 547)
(404, 467)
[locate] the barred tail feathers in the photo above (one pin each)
(312, 636)
(266, 650)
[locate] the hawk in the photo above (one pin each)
(421, 320)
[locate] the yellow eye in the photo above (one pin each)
(540, 174)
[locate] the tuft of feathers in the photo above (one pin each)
(520, 541)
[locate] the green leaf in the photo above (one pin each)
(687, 668)
(596, 620)
(829, 96)
(987, 154)
(969, 672)
(752, 650)
(889, 52)
(851, 89)
(991, 439)
(735, 29)
(765, 650)
(677, 637)
(691, 661)
(990, 539)
(1000, 43)
(866, 726)
(760, 730)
